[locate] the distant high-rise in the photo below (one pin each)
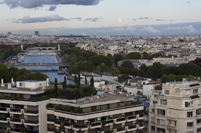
(9, 33)
(36, 32)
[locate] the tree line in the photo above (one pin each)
(19, 74)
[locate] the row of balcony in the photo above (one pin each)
(10, 120)
(110, 121)
(117, 130)
(19, 110)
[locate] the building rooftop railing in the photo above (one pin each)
(95, 112)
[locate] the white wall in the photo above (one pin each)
(147, 90)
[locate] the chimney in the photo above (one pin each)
(9, 85)
(47, 81)
(2, 84)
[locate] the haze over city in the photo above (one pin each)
(98, 17)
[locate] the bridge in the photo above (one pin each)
(42, 48)
(36, 64)
(50, 52)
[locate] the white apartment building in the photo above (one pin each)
(176, 108)
(25, 107)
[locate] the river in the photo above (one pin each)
(50, 71)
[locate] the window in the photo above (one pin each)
(163, 102)
(161, 122)
(169, 130)
(195, 91)
(166, 91)
(198, 111)
(154, 102)
(153, 110)
(169, 122)
(190, 124)
(189, 131)
(22, 84)
(175, 123)
(153, 119)
(160, 112)
(189, 114)
(187, 104)
(199, 121)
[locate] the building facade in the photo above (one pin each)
(176, 108)
(24, 107)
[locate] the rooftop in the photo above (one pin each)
(182, 84)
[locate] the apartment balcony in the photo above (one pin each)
(120, 120)
(189, 127)
(100, 113)
(31, 131)
(108, 131)
(51, 129)
(121, 130)
(31, 111)
(16, 111)
(4, 109)
(50, 120)
(29, 121)
(171, 126)
(15, 130)
(131, 128)
(80, 127)
(160, 115)
(140, 117)
(140, 126)
(67, 125)
(161, 124)
(171, 118)
(15, 119)
(109, 122)
(3, 120)
(95, 125)
(131, 118)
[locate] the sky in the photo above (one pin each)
(101, 17)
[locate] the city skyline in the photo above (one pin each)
(130, 17)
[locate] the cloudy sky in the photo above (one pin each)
(101, 17)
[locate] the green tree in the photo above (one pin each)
(92, 82)
(56, 86)
(75, 79)
(110, 56)
(102, 68)
(117, 57)
(114, 70)
(127, 64)
(143, 67)
(156, 55)
(85, 80)
(155, 70)
(134, 55)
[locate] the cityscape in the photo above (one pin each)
(97, 66)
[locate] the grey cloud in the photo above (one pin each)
(52, 8)
(92, 19)
(39, 3)
(78, 18)
(160, 19)
(144, 18)
(50, 18)
(188, 2)
(141, 18)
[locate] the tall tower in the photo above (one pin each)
(58, 47)
(21, 47)
(91, 46)
(162, 38)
